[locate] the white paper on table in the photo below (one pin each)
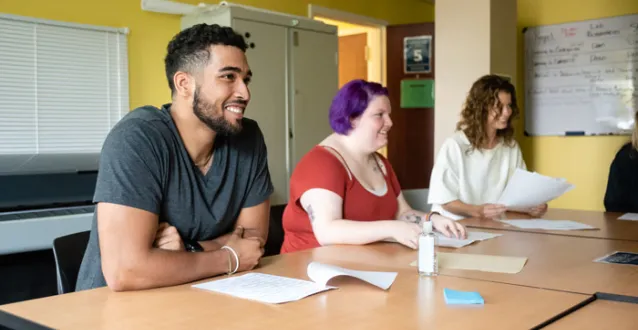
(322, 273)
(264, 287)
(527, 189)
(629, 216)
(278, 289)
(548, 224)
(472, 236)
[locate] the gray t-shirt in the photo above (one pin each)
(145, 165)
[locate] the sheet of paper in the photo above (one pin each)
(481, 262)
(620, 257)
(264, 287)
(527, 189)
(472, 236)
(322, 273)
(548, 224)
(629, 216)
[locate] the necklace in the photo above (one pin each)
(371, 160)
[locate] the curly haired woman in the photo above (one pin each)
(473, 166)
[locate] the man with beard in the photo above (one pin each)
(182, 191)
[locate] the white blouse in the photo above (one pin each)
(477, 177)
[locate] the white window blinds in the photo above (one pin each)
(62, 86)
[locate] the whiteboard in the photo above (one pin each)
(582, 78)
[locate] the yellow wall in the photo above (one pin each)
(584, 161)
(150, 32)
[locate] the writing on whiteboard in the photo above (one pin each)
(602, 33)
(595, 91)
(598, 29)
(581, 76)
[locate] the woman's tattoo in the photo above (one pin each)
(311, 214)
(412, 217)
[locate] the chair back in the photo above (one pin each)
(68, 252)
(417, 199)
(275, 231)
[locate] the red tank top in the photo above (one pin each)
(320, 168)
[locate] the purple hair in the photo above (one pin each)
(351, 101)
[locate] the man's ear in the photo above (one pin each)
(184, 84)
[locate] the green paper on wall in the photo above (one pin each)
(417, 93)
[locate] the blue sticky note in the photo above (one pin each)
(455, 297)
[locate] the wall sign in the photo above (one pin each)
(417, 54)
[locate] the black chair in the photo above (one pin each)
(68, 252)
(275, 231)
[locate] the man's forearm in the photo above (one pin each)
(161, 268)
(217, 243)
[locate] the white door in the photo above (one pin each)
(267, 106)
(314, 82)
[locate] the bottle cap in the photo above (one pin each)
(427, 227)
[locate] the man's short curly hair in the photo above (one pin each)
(189, 50)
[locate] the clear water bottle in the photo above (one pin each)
(427, 260)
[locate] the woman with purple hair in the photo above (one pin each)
(343, 191)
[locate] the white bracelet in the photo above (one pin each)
(236, 258)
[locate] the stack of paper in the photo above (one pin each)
(472, 236)
(548, 224)
(277, 289)
(526, 189)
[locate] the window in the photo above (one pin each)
(62, 87)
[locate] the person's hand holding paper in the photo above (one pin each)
(537, 211)
(528, 192)
(490, 210)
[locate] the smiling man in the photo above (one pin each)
(182, 191)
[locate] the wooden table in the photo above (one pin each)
(600, 314)
(609, 225)
(554, 262)
(411, 303)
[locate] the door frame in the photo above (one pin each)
(344, 16)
